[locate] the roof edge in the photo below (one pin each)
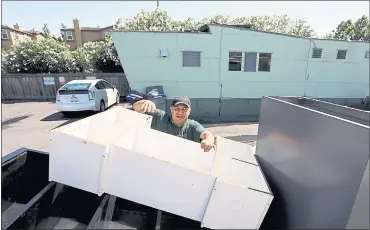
(281, 34)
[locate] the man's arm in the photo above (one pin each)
(203, 136)
(148, 107)
(144, 106)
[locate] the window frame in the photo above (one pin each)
(259, 59)
(244, 60)
(367, 53)
(67, 35)
(100, 84)
(6, 33)
(110, 86)
(193, 51)
(241, 61)
(106, 34)
(313, 50)
(345, 54)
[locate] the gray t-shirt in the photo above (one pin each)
(162, 121)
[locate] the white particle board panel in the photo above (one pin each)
(77, 150)
(156, 183)
(107, 126)
(173, 149)
(239, 173)
(235, 207)
(75, 162)
(236, 150)
(241, 195)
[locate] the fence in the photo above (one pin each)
(45, 86)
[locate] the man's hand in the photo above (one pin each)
(144, 106)
(208, 141)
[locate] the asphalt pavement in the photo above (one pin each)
(28, 124)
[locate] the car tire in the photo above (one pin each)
(102, 106)
(117, 99)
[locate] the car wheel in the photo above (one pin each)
(102, 106)
(117, 99)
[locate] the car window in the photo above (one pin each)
(75, 86)
(99, 85)
(107, 85)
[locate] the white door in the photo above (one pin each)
(110, 93)
(100, 94)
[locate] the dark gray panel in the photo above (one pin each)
(359, 218)
(355, 115)
(190, 58)
(313, 162)
(250, 62)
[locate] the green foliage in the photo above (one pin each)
(50, 56)
(348, 30)
(160, 20)
(39, 56)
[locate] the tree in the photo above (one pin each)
(118, 25)
(46, 31)
(362, 29)
(61, 38)
(348, 30)
(39, 56)
(299, 27)
(157, 20)
(278, 24)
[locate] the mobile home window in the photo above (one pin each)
(264, 62)
(250, 62)
(316, 52)
(4, 34)
(191, 58)
(341, 54)
(235, 61)
(367, 54)
(69, 35)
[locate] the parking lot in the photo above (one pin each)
(27, 124)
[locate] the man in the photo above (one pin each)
(177, 123)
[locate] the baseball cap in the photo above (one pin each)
(178, 100)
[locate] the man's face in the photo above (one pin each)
(180, 114)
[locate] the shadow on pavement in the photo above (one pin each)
(70, 118)
(5, 124)
(28, 101)
(243, 138)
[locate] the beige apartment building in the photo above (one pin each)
(75, 37)
(13, 35)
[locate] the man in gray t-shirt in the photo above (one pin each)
(177, 123)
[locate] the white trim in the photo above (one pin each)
(6, 33)
(69, 36)
(106, 34)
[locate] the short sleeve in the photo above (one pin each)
(157, 118)
(197, 130)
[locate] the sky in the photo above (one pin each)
(323, 16)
